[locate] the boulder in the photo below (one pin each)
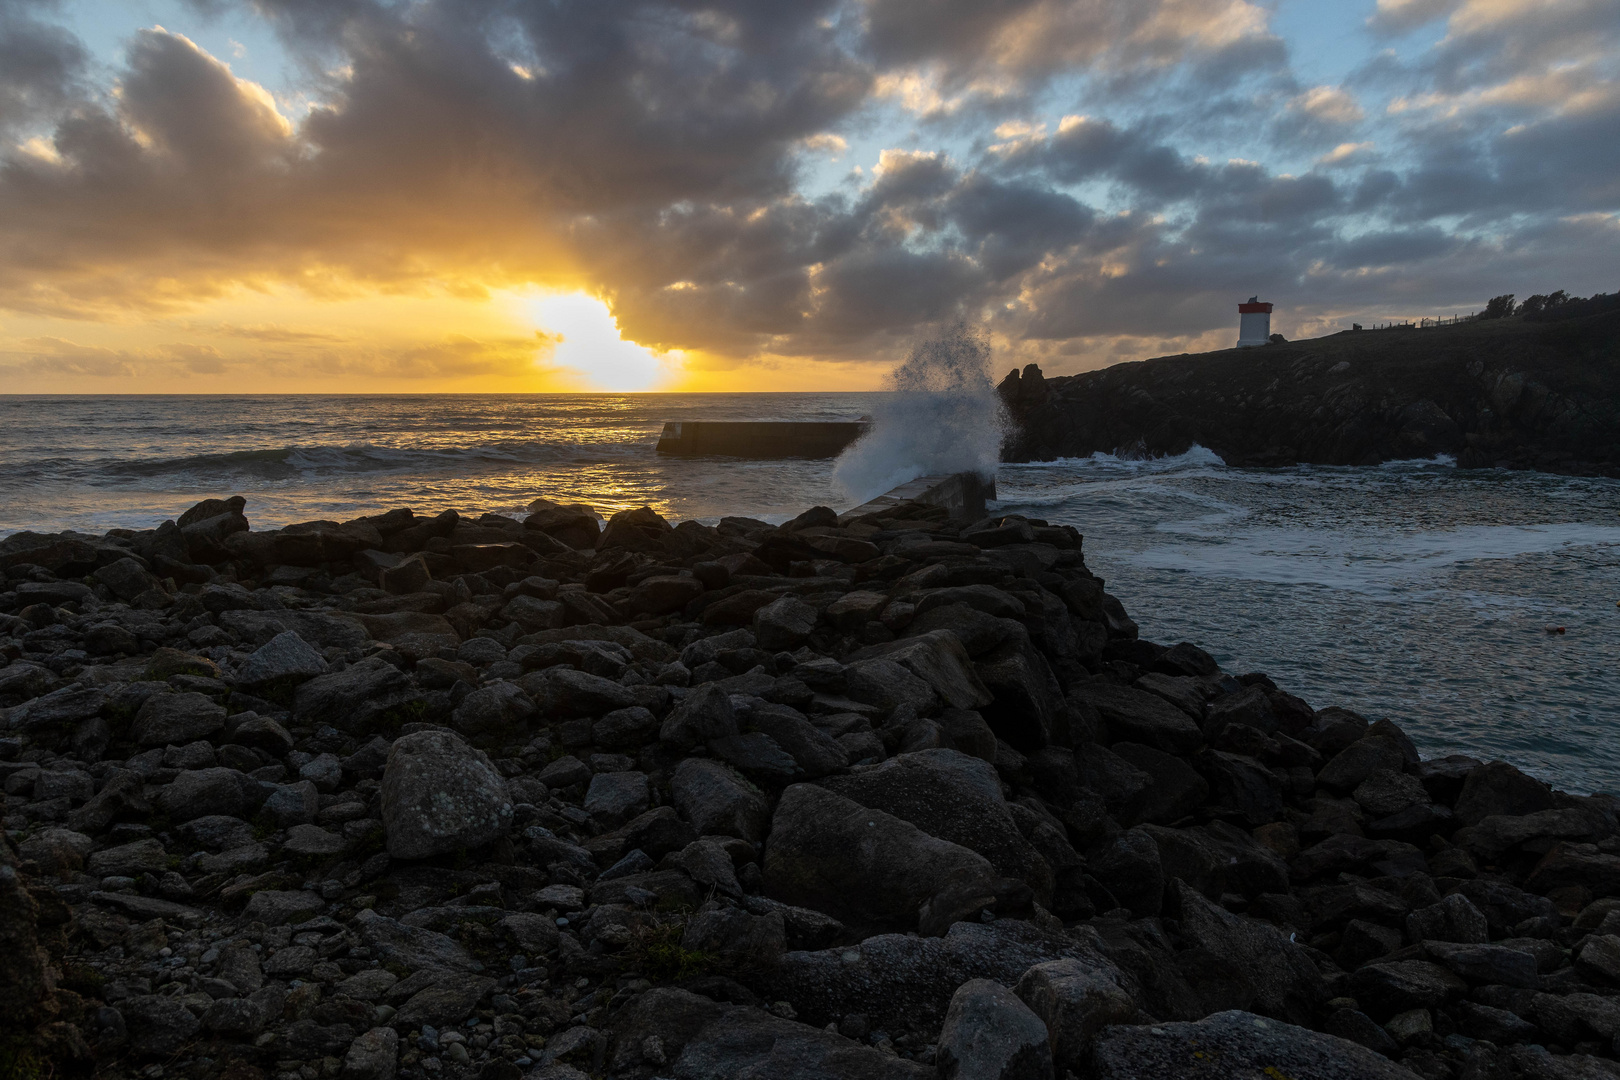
(1174, 787)
(1495, 965)
(746, 1042)
(69, 705)
(1234, 1045)
(158, 1025)
(704, 714)
(415, 634)
(989, 1034)
(954, 797)
(616, 797)
(784, 623)
(736, 938)
(939, 660)
(903, 981)
(1499, 788)
(498, 711)
(174, 719)
(830, 853)
(1454, 918)
(567, 693)
(129, 860)
(1076, 1000)
(368, 695)
(1287, 985)
(197, 793)
(813, 750)
(1129, 867)
(1398, 985)
(373, 1055)
(279, 666)
(718, 801)
(1136, 716)
(440, 795)
(1356, 762)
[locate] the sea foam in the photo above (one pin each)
(942, 416)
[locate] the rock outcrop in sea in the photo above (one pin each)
(1504, 393)
(894, 797)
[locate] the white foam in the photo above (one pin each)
(944, 416)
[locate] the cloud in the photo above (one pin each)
(1080, 174)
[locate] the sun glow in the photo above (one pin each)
(588, 341)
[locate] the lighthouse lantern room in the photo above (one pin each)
(1254, 323)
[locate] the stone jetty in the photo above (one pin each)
(882, 796)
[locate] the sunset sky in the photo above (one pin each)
(536, 195)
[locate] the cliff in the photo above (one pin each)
(1510, 392)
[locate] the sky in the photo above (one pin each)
(216, 196)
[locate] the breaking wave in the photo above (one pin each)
(943, 416)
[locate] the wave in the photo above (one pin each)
(312, 462)
(1196, 457)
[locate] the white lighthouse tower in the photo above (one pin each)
(1254, 323)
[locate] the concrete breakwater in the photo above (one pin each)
(883, 794)
(758, 438)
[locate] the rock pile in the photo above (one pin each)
(892, 797)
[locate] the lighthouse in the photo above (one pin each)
(1254, 323)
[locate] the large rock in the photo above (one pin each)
(784, 623)
(991, 1035)
(69, 705)
(497, 711)
(832, 854)
(416, 634)
(939, 660)
(1136, 716)
(1499, 788)
(1174, 790)
(752, 1043)
(1286, 984)
(902, 981)
(813, 750)
(704, 714)
(198, 793)
(718, 801)
(158, 1024)
(368, 695)
(1076, 1000)
(279, 666)
(1234, 1045)
(440, 795)
(176, 719)
(954, 797)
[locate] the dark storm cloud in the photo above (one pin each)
(654, 152)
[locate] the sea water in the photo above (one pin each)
(1414, 590)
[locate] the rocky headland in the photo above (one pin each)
(891, 797)
(1512, 393)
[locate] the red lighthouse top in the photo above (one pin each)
(1254, 307)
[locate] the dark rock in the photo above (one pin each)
(1129, 867)
(1395, 986)
(447, 1003)
(200, 792)
(1356, 762)
(365, 696)
(498, 711)
(1234, 1045)
(158, 1024)
(278, 666)
(1360, 1028)
(749, 1042)
(1286, 983)
(1242, 785)
(756, 755)
(1136, 716)
(954, 797)
(815, 752)
(990, 1034)
(1454, 918)
(832, 854)
(1076, 1000)
(718, 801)
(704, 714)
(1481, 963)
(1499, 788)
(440, 795)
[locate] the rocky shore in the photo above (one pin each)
(1506, 393)
(892, 797)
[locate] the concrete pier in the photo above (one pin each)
(758, 438)
(963, 494)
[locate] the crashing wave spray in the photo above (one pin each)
(944, 416)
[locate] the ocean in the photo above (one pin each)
(1412, 590)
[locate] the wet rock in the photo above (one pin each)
(718, 801)
(1234, 1045)
(989, 1034)
(832, 854)
(440, 795)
